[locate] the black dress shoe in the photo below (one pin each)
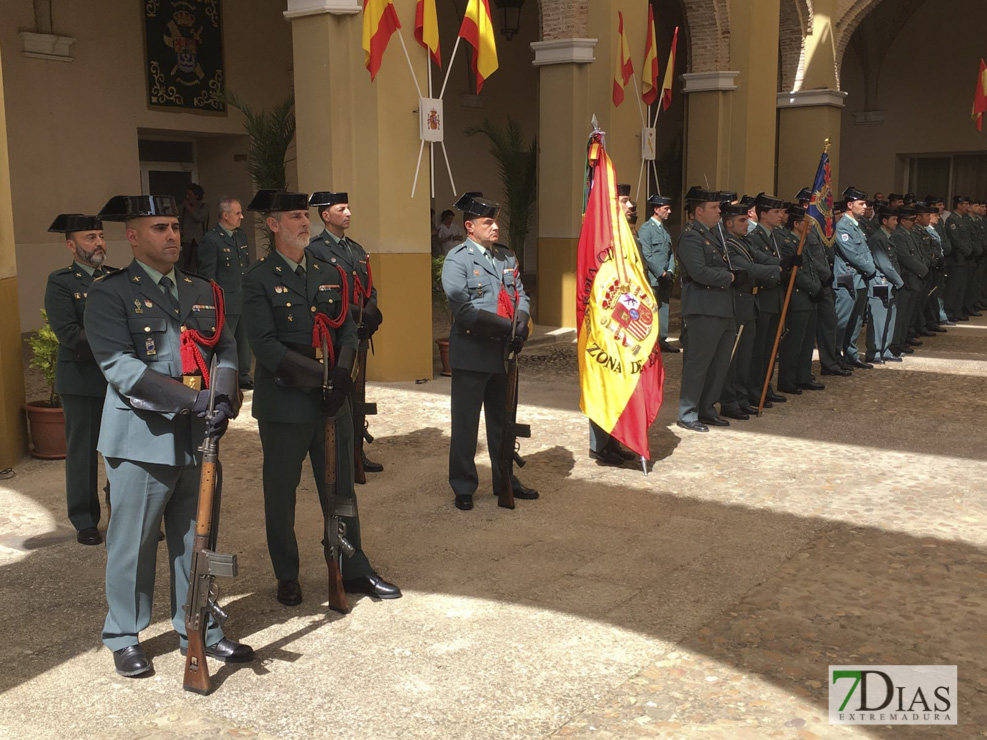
(246, 384)
(714, 421)
(949, 322)
(522, 492)
(88, 536)
(665, 347)
(751, 410)
(372, 585)
(731, 414)
(813, 386)
(907, 351)
(893, 359)
(618, 450)
(131, 661)
(775, 398)
(841, 372)
(846, 366)
(767, 405)
(938, 330)
(606, 456)
(875, 360)
(926, 334)
(228, 651)
(790, 391)
(369, 466)
(913, 343)
(975, 313)
(289, 593)
(464, 502)
(862, 365)
(693, 426)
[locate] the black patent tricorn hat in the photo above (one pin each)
(327, 198)
(803, 194)
(851, 193)
(697, 194)
(472, 204)
(125, 207)
(905, 212)
(769, 202)
(727, 196)
(623, 189)
(733, 209)
(794, 209)
(66, 223)
(659, 200)
(275, 201)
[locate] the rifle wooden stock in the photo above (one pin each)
(197, 618)
(359, 411)
(337, 595)
(508, 438)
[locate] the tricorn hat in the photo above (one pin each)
(904, 212)
(623, 189)
(124, 207)
(839, 206)
(472, 204)
(733, 209)
(925, 207)
(851, 193)
(274, 201)
(326, 198)
(794, 209)
(910, 197)
(895, 196)
(697, 195)
(659, 200)
(960, 199)
(747, 201)
(728, 196)
(66, 223)
(803, 194)
(768, 202)
(886, 212)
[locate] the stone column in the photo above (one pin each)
(13, 438)
(361, 137)
(708, 126)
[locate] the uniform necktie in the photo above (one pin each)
(98, 273)
(300, 272)
(166, 285)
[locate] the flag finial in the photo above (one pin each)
(826, 145)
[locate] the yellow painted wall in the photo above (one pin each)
(801, 137)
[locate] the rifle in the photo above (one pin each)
(509, 446)
(336, 544)
(206, 563)
(361, 409)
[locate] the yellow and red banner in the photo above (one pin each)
(622, 74)
(649, 73)
(478, 31)
(980, 97)
(380, 20)
(427, 28)
(666, 86)
(621, 375)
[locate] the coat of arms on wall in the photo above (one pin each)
(183, 46)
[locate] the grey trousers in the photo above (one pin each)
(705, 362)
(82, 420)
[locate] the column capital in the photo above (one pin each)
(718, 81)
(811, 98)
(302, 8)
(563, 51)
(47, 46)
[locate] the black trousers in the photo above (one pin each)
(472, 390)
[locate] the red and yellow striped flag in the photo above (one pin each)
(649, 73)
(478, 31)
(980, 97)
(622, 74)
(427, 28)
(380, 20)
(620, 369)
(666, 86)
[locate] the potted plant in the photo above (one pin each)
(439, 299)
(45, 418)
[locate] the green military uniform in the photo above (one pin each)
(280, 306)
(795, 350)
(913, 271)
(975, 274)
(853, 266)
(81, 387)
(882, 298)
(823, 257)
(766, 251)
(223, 256)
(659, 260)
(960, 240)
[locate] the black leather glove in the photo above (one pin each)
(521, 324)
(517, 344)
(363, 332)
(333, 401)
(341, 380)
(791, 260)
(870, 277)
(739, 276)
(222, 413)
(817, 296)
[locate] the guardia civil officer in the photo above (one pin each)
(152, 424)
(473, 276)
(333, 246)
(659, 261)
(853, 268)
(882, 291)
(795, 350)
(707, 313)
(78, 380)
(285, 296)
(958, 229)
(224, 254)
(913, 270)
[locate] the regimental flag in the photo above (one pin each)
(380, 20)
(666, 86)
(620, 369)
(427, 28)
(649, 73)
(980, 97)
(478, 31)
(820, 209)
(625, 68)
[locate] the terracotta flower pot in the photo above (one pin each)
(47, 428)
(444, 355)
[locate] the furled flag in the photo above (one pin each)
(478, 31)
(427, 28)
(980, 97)
(666, 86)
(820, 211)
(620, 369)
(622, 74)
(649, 73)
(380, 20)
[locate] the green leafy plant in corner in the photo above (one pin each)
(438, 294)
(44, 357)
(271, 133)
(516, 165)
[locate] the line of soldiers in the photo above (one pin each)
(145, 336)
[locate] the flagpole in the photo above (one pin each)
(431, 147)
(414, 183)
(410, 68)
(452, 59)
(640, 107)
(445, 154)
(639, 173)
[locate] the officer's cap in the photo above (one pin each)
(851, 193)
(728, 210)
(326, 198)
(66, 223)
(910, 197)
(838, 206)
(125, 207)
(803, 194)
(905, 212)
(659, 200)
(925, 207)
(275, 201)
(747, 201)
(697, 195)
(879, 203)
(475, 206)
(728, 196)
(623, 189)
(885, 212)
(768, 202)
(794, 209)
(957, 199)
(895, 196)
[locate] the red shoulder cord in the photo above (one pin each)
(321, 323)
(358, 289)
(191, 339)
(505, 306)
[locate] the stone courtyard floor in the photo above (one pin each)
(705, 600)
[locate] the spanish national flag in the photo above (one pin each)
(666, 86)
(980, 97)
(625, 68)
(380, 20)
(427, 28)
(620, 369)
(478, 31)
(649, 74)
